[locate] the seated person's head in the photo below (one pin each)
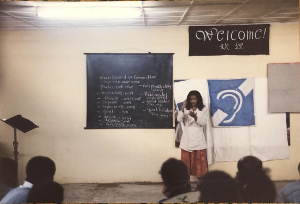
(175, 177)
(218, 186)
(40, 169)
(255, 184)
(46, 192)
(249, 167)
(299, 167)
(8, 172)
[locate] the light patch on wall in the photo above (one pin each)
(283, 88)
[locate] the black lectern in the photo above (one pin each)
(22, 124)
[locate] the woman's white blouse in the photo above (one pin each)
(193, 134)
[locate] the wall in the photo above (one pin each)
(43, 78)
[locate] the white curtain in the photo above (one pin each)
(266, 140)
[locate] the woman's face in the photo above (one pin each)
(193, 100)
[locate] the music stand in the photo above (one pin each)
(22, 124)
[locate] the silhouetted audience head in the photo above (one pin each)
(249, 166)
(8, 172)
(175, 177)
(46, 192)
(8, 175)
(254, 182)
(299, 167)
(40, 169)
(218, 186)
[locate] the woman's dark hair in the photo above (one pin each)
(255, 184)
(249, 167)
(8, 172)
(218, 186)
(175, 177)
(40, 168)
(200, 104)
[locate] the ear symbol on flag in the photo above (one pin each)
(238, 101)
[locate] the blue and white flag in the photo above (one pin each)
(231, 102)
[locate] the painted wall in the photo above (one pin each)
(43, 78)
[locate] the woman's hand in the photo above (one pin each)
(193, 114)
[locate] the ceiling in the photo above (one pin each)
(23, 14)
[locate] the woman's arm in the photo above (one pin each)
(201, 119)
(180, 115)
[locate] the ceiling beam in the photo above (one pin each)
(265, 15)
(143, 13)
(242, 4)
(21, 19)
(185, 13)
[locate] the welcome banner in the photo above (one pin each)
(229, 40)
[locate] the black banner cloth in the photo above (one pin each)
(229, 40)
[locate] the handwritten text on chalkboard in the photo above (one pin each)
(229, 40)
(118, 100)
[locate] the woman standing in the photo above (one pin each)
(193, 144)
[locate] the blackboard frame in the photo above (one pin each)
(124, 66)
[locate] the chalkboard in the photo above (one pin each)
(229, 40)
(129, 91)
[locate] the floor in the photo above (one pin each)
(121, 192)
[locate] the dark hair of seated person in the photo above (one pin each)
(175, 177)
(254, 182)
(46, 192)
(218, 186)
(8, 172)
(40, 169)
